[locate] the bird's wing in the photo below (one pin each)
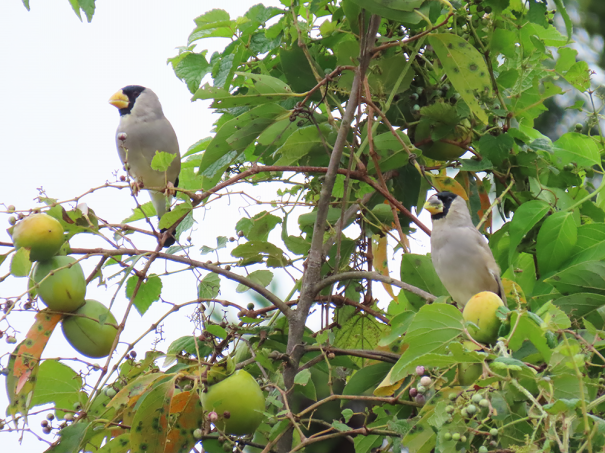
(488, 257)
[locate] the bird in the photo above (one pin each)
(461, 257)
(143, 130)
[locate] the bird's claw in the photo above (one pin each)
(136, 187)
(170, 191)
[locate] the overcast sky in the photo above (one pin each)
(58, 129)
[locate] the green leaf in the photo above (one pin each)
(57, 383)
(188, 344)
(399, 10)
(70, 438)
(266, 84)
(257, 251)
(216, 330)
(418, 270)
(366, 378)
(173, 216)
(578, 149)
(302, 378)
(162, 160)
(222, 151)
(221, 243)
(148, 292)
(582, 305)
(568, 23)
(145, 211)
(586, 277)
(209, 286)
(496, 149)
(339, 426)
(119, 444)
(590, 245)
(259, 226)
(525, 218)
(555, 241)
(224, 99)
(20, 263)
(465, 68)
(151, 419)
(214, 23)
(302, 142)
(191, 69)
(359, 332)
(433, 327)
(364, 444)
(562, 405)
(527, 329)
(262, 277)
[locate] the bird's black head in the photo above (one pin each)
(132, 92)
(440, 207)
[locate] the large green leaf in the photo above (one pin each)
(576, 148)
(232, 139)
(150, 422)
(148, 292)
(418, 270)
(465, 68)
(590, 245)
(556, 240)
(57, 383)
(430, 332)
(526, 216)
(585, 277)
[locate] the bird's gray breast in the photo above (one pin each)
(143, 139)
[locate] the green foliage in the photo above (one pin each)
(307, 102)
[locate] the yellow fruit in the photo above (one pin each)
(89, 336)
(241, 396)
(66, 288)
(40, 233)
(440, 150)
(468, 373)
(481, 311)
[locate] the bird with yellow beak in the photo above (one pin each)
(462, 259)
(142, 131)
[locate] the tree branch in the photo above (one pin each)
(359, 275)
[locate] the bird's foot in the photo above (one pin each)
(170, 192)
(136, 187)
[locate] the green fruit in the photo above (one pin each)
(452, 396)
(456, 437)
(241, 396)
(476, 398)
(468, 373)
(197, 433)
(471, 409)
(484, 403)
(449, 409)
(483, 449)
(481, 311)
(462, 438)
(89, 336)
(493, 432)
(463, 412)
(440, 150)
(65, 289)
(41, 234)
(447, 436)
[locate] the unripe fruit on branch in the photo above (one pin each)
(240, 396)
(91, 337)
(481, 311)
(41, 234)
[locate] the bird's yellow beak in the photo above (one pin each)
(434, 206)
(119, 100)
